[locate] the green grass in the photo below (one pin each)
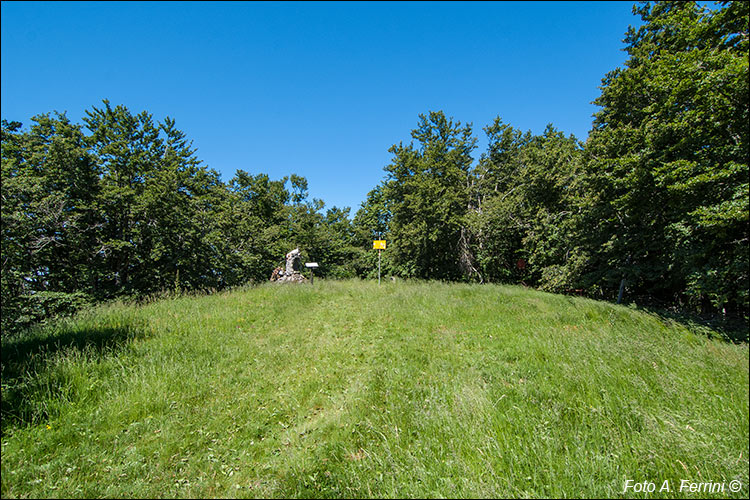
(348, 389)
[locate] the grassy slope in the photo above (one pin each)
(350, 389)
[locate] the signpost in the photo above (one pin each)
(311, 266)
(380, 245)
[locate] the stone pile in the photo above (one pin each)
(291, 274)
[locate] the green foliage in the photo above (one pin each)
(426, 194)
(251, 228)
(667, 162)
(526, 191)
(48, 219)
(156, 205)
(371, 222)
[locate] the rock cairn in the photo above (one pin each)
(291, 274)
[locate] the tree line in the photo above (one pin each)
(654, 204)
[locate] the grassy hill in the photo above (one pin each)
(348, 389)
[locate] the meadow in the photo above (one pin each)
(350, 389)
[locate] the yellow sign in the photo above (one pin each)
(378, 244)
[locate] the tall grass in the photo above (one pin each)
(350, 389)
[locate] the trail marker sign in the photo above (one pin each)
(311, 266)
(378, 245)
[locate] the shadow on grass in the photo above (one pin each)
(729, 328)
(34, 365)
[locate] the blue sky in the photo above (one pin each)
(317, 89)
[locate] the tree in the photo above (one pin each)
(254, 226)
(525, 192)
(550, 197)
(49, 182)
(427, 193)
(128, 149)
(372, 222)
(496, 222)
(667, 165)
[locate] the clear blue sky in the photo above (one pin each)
(318, 89)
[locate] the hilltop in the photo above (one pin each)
(350, 389)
